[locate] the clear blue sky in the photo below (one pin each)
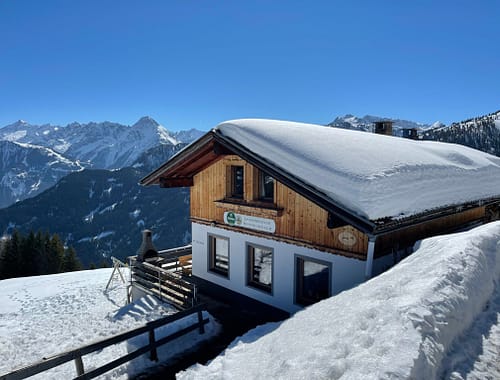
(196, 63)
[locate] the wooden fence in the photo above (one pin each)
(164, 276)
(76, 354)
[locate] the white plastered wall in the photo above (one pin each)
(346, 272)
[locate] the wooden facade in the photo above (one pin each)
(405, 238)
(298, 220)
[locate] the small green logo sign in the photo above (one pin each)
(231, 218)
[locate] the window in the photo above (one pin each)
(266, 187)
(260, 267)
(218, 255)
(237, 182)
(312, 282)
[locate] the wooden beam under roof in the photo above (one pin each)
(176, 182)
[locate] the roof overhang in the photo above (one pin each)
(179, 170)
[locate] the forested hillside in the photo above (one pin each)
(482, 133)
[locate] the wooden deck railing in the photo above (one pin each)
(164, 276)
(76, 354)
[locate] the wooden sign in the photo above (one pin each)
(250, 222)
(347, 238)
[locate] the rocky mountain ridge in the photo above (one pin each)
(104, 145)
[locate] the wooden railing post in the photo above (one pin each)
(79, 365)
(152, 340)
(77, 354)
(159, 285)
(200, 322)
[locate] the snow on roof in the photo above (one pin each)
(374, 176)
(429, 316)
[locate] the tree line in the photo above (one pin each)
(35, 254)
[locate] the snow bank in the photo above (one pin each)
(46, 315)
(372, 175)
(399, 325)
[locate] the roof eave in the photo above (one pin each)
(154, 177)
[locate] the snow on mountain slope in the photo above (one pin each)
(27, 170)
(46, 315)
(103, 145)
(83, 205)
(419, 320)
(189, 135)
(365, 123)
(481, 133)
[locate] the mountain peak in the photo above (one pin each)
(18, 124)
(146, 121)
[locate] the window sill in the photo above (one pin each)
(258, 208)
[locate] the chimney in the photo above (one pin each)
(410, 133)
(383, 127)
(147, 249)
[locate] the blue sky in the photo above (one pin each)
(193, 64)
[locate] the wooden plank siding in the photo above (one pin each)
(405, 238)
(297, 219)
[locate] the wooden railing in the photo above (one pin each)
(177, 259)
(164, 277)
(76, 354)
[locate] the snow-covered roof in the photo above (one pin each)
(373, 176)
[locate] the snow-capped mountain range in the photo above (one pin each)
(26, 170)
(104, 145)
(365, 123)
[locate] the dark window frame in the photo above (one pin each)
(250, 252)
(300, 298)
(212, 256)
(261, 187)
(237, 186)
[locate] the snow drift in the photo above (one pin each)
(400, 325)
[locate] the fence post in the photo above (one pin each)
(79, 366)
(154, 354)
(200, 322)
(194, 301)
(159, 285)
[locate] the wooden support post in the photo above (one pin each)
(200, 322)
(154, 354)
(79, 366)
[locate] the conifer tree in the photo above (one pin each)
(10, 257)
(55, 253)
(71, 261)
(27, 255)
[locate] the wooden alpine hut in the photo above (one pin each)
(290, 213)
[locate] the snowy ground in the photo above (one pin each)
(435, 315)
(46, 315)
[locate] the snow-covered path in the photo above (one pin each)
(45, 315)
(476, 354)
